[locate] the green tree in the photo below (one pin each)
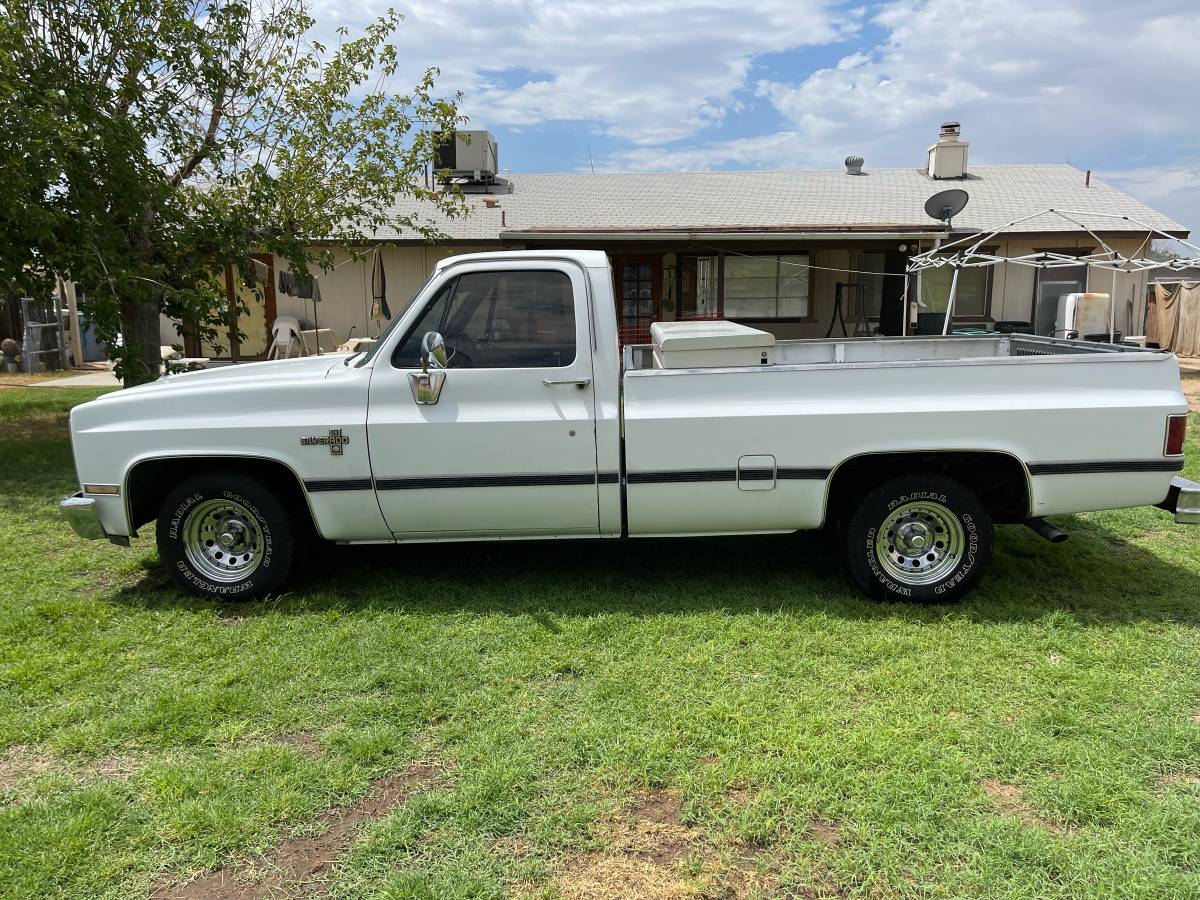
(147, 144)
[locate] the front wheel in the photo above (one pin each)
(222, 534)
(918, 538)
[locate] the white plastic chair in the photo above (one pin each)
(285, 334)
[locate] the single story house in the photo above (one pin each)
(777, 250)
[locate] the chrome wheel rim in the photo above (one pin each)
(920, 543)
(222, 541)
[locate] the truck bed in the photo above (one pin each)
(1084, 420)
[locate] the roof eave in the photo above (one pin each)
(537, 234)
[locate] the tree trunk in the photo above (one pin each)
(141, 359)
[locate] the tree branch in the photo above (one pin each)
(206, 145)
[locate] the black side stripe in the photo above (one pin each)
(338, 484)
(683, 476)
(465, 481)
(676, 477)
(804, 474)
(1107, 466)
(696, 475)
(756, 475)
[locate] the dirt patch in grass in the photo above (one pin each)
(642, 849)
(740, 796)
(657, 808)
(1010, 800)
(827, 833)
(1180, 779)
(117, 767)
(21, 762)
(648, 852)
(300, 866)
(304, 741)
(515, 846)
(1190, 382)
(43, 426)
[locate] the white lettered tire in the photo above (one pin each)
(920, 538)
(222, 534)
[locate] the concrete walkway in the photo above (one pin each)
(103, 378)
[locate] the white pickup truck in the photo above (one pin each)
(498, 406)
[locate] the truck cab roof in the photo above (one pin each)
(589, 259)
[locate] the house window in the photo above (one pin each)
(758, 288)
(973, 299)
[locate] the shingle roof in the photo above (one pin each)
(881, 200)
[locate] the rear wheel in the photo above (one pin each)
(222, 534)
(918, 538)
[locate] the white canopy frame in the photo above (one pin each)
(966, 253)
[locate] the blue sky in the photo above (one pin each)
(1106, 85)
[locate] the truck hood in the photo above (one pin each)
(191, 395)
(245, 374)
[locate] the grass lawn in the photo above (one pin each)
(712, 718)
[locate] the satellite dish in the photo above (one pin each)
(945, 205)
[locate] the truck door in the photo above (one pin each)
(509, 448)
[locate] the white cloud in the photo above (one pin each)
(1099, 83)
(649, 73)
(1173, 189)
(1104, 84)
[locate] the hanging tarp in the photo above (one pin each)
(1177, 308)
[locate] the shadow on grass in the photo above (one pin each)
(1096, 577)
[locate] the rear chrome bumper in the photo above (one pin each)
(80, 513)
(1183, 499)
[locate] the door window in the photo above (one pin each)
(499, 320)
(637, 289)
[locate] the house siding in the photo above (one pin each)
(346, 289)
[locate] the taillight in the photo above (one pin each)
(1176, 430)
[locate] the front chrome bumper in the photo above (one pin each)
(80, 513)
(1183, 500)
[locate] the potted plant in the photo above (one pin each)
(9, 349)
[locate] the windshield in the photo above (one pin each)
(369, 354)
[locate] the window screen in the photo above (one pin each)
(766, 287)
(971, 299)
(499, 320)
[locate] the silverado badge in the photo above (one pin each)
(335, 440)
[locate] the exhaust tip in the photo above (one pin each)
(1047, 531)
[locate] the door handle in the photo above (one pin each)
(580, 383)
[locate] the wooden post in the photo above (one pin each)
(67, 300)
(73, 325)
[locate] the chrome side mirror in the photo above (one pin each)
(433, 351)
(426, 386)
